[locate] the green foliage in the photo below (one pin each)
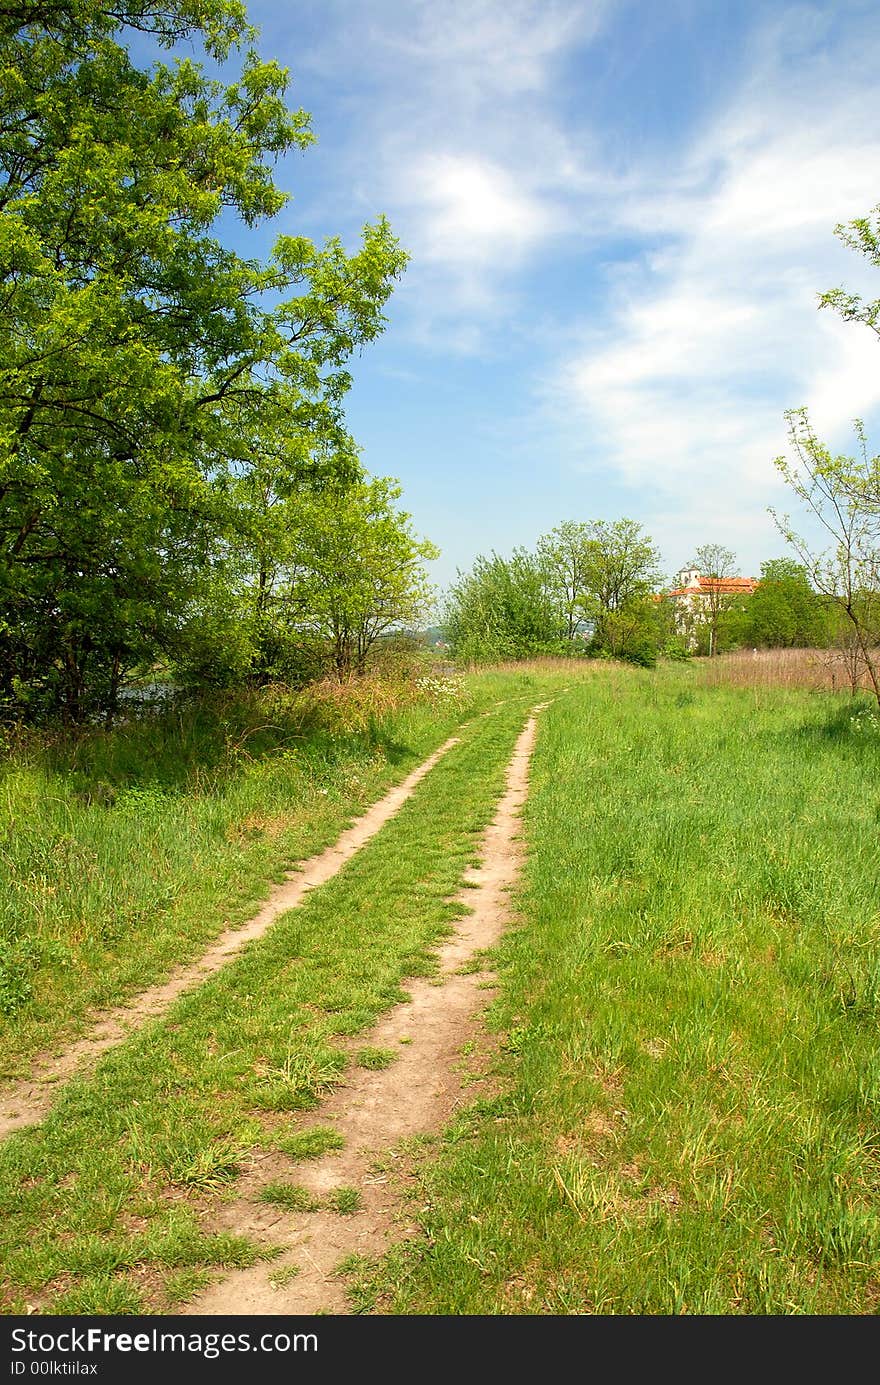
(140, 358)
(503, 609)
(785, 611)
(599, 574)
(862, 235)
(594, 577)
(620, 570)
(843, 494)
(318, 576)
(355, 571)
(565, 557)
(634, 631)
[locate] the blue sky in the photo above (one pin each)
(619, 217)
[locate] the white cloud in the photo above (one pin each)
(472, 211)
(484, 48)
(709, 338)
(461, 146)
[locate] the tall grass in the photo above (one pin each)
(123, 852)
(689, 1014)
(815, 670)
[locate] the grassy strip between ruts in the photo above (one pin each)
(99, 1207)
(125, 852)
(691, 1006)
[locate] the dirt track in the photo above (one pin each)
(375, 1110)
(28, 1102)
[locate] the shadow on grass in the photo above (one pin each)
(847, 721)
(195, 743)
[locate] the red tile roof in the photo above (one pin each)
(724, 586)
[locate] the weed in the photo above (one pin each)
(100, 1294)
(350, 1264)
(309, 1144)
(183, 1285)
(344, 1200)
(374, 1058)
(303, 1077)
(289, 1196)
(202, 1167)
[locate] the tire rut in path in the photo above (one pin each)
(375, 1110)
(28, 1102)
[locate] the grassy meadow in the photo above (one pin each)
(106, 1207)
(690, 1073)
(124, 852)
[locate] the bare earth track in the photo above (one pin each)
(28, 1102)
(375, 1110)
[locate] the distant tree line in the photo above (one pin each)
(595, 589)
(585, 586)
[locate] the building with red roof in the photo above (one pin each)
(700, 597)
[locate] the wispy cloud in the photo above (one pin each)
(461, 146)
(478, 50)
(713, 329)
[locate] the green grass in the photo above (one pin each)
(116, 1183)
(690, 1011)
(375, 1058)
(123, 853)
(344, 1200)
(309, 1144)
(290, 1196)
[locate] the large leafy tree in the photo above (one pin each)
(138, 354)
(568, 561)
(621, 569)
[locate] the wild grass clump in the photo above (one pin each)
(309, 1144)
(375, 1058)
(290, 1196)
(346, 1201)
